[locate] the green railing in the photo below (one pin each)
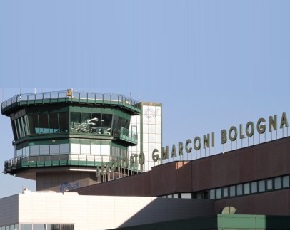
(71, 96)
(12, 165)
(57, 160)
(128, 135)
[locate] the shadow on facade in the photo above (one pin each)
(166, 210)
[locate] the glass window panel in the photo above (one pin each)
(225, 192)
(63, 122)
(26, 151)
(239, 189)
(286, 182)
(14, 129)
(262, 186)
(53, 123)
(54, 149)
(26, 226)
(277, 183)
(106, 120)
(75, 148)
(33, 122)
(34, 150)
(17, 126)
(86, 117)
(247, 188)
(232, 191)
(95, 149)
(19, 153)
(64, 149)
(218, 193)
(27, 131)
(44, 149)
(20, 127)
(105, 149)
(39, 226)
(85, 149)
(175, 195)
(75, 122)
(269, 184)
(16, 227)
(186, 195)
(96, 121)
(199, 195)
(43, 126)
(53, 227)
(212, 194)
(254, 187)
(23, 126)
(66, 227)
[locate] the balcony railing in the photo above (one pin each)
(128, 135)
(14, 164)
(71, 96)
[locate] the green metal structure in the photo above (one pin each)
(69, 129)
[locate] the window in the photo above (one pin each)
(33, 122)
(43, 126)
(239, 189)
(269, 184)
(34, 150)
(66, 227)
(53, 227)
(44, 150)
(53, 123)
(254, 187)
(218, 193)
(186, 195)
(63, 122)
(226, 192)
(75, 121)
(277, 183)
(232, 191)
(286, 182)
(261, 186)
(247, 188)
(54, 149)
(212, 194)
(14, 131)
(39, 227)
(26, 226)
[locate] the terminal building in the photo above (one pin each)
(98, 163)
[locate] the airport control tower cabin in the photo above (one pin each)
(67, 139)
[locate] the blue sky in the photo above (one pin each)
(212, 64)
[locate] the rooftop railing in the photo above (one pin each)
(70, 96)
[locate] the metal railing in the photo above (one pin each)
(71, 96)
(42, 161)
(128, 135)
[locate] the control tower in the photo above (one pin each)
(61, 138)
